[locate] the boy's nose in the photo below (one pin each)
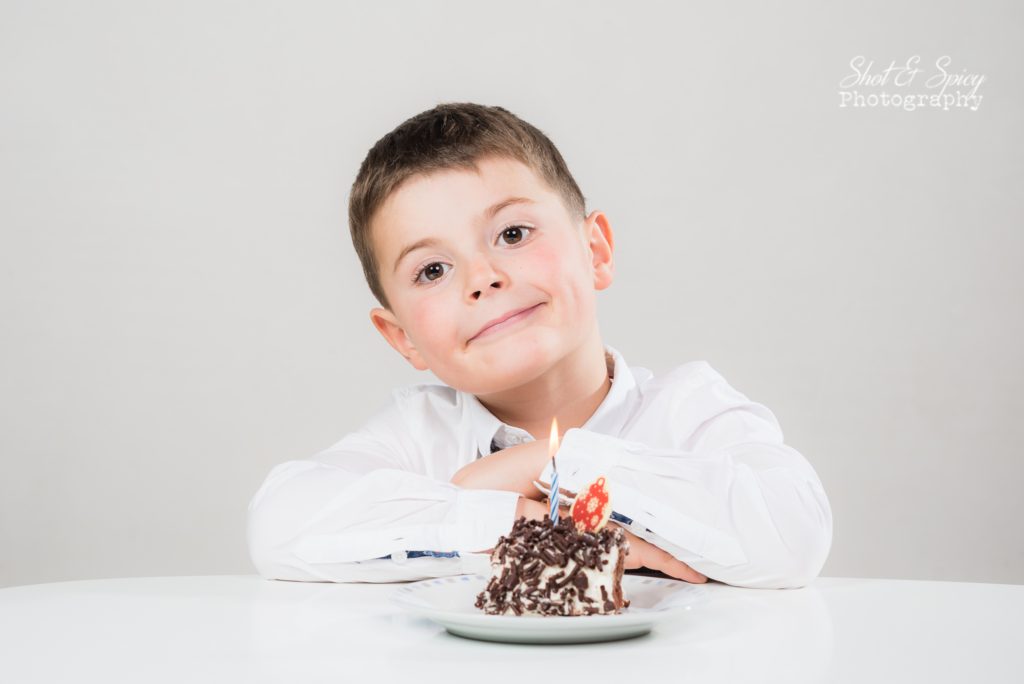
(483, 278)
(479, 293)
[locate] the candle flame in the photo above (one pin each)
(553, 441)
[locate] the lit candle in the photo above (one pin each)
(552, 448)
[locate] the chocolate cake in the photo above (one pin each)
(547, 569)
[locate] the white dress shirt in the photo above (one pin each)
(693, 466)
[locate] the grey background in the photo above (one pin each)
(182, 308)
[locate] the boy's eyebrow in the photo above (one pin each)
(488, 214)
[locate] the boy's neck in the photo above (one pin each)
(571, 391)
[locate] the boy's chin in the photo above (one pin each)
(504, 372)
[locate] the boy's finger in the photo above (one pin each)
(688, 574)
(680, 570)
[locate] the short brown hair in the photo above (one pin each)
(452, 135)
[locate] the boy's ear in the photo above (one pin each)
(602, 246)
(388, 326)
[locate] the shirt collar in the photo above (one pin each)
(609, 418)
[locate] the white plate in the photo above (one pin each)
(449, 602)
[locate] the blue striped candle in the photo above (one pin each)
(553, 494)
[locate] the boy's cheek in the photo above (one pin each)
(549, 262)
(439, 325)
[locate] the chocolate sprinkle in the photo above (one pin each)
(533, 545)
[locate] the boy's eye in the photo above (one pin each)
(515, 233)
(433, 271)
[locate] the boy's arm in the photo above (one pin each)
(737, 504)
(513, 469)
(336, 516)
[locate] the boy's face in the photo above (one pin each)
(480, 268)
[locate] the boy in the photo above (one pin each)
(474, 239)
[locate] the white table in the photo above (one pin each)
(227, 628)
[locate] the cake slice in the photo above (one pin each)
(548, 569)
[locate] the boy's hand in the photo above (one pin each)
(513, 469)
(644, 554)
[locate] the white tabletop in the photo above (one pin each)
(228, 628)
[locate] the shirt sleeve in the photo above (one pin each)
(737, 504)
(359, 512)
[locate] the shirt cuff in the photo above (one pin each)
(582, 457)
(482, 516)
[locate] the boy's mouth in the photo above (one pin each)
(504, 321)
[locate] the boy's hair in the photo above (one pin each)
(452, 135)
